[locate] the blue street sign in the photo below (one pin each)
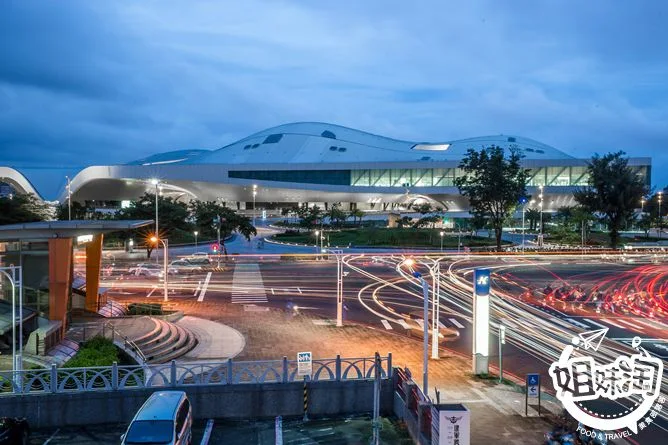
(533, 386)
(481, 280)
(533, 379)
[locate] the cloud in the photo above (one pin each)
(107, 82)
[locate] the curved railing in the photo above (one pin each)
(175, 374)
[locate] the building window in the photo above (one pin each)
(273, 138)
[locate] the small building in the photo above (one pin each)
(45, 251)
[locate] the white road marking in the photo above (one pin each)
(151, 293)
(204, 286)
(199, 284)
(300, 291)
(52, 436)
(588, 320)
(247, 285)
(613, 323)
(403, 323)
(441, 325)
(272, 291)
(577, 323)
(456, 323)
(633, 325)
(386, 324)
(420, 323)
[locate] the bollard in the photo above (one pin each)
(305, 401)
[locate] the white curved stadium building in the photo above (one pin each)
(309, 162)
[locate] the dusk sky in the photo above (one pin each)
(93, 82)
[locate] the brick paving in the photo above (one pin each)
(496, 410)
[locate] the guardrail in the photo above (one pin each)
(179, 375)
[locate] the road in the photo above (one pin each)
(380, 291)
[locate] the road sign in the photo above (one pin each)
(215, 247)
(533, 385)
(304, 363)
(264, 215)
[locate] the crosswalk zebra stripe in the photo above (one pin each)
(403, 324)
(247, 285)
(386, 324)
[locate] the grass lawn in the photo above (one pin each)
(383, 237)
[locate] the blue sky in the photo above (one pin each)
(85, 82)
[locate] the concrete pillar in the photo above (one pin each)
(93, 267)
(60, 278)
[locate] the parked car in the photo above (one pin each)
(165, 418)
(14, 431)
(183, 266)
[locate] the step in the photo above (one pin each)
(176, 339)
(191, 343)
(167, 335)
(154, 336)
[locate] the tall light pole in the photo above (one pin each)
(435, 291)
(196, 233)
(502, 341)
(254, 211)
(660, 222)
(441, 233)
(317, 233)
(69, 198)
(156, 183)
(425, 324)
(165, 244)
(541, 216)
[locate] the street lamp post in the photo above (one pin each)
(660, 222)
(156, 183)
(196, 233)
(317, 233)
(436, 288)
(441, 233)
(69, 198)
(540, 236)
(254, 211)
(425, 325)
(165, 245)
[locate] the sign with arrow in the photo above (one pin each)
(533, 385)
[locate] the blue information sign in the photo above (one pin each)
(481, 282)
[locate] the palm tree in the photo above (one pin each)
(533, 216)
(357, 213)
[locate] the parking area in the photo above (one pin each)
(349, 431)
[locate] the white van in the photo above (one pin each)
(165, 418)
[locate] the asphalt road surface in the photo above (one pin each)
(542, 301)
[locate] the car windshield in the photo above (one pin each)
(150, 431)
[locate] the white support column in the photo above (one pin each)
(481, 286)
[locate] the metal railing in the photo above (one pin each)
(179, 375)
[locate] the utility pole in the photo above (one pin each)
(502, 341)
(435, 290)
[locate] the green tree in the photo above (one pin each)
(404, 221)
(21, 208)
(79, 211)
(355, 214)
(174, 223)
(208, 215)
(336, 214)
(533, 216)
(423, 208)
(493, 183)
(613, 191)
(309, 216)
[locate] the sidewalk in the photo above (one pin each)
(215, 341)
(497, 410)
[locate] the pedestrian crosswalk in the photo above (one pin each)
(247, 285)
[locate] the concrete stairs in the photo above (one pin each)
(166, 341)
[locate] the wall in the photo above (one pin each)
(247, 401)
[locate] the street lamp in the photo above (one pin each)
(254, 195)
(540, 236)
(441, 233)
(660, 199)
(195, 233)
(165, 244)
(435, 309)
(425, 325)
(502, 341)
(69, 198)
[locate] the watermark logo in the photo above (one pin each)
(483, 280)
(579, 379)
